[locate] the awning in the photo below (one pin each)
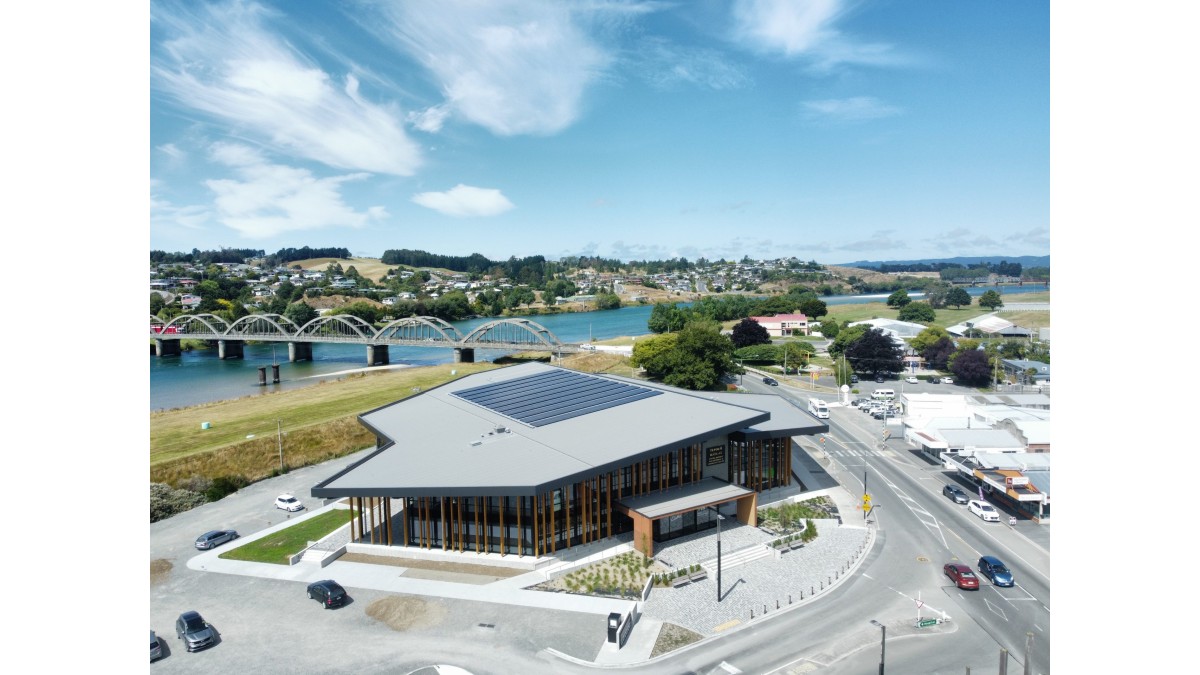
(707, 492)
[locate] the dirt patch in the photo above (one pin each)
(403, 613)
(435, 565)
(672, 637)
(160, 569)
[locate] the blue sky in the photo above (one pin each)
(826, 130)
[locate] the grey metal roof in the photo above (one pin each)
(980, 438)
(545, 398)
(443, 445)
(690, 497)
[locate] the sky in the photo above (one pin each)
(828, 130)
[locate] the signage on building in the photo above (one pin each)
(714, 455)
(1016, 481)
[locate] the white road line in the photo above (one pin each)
(729, 669)
(1038, 627)
(995, 609)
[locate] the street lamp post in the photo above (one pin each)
(717, 511)
(882, 644)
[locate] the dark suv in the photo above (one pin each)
(327, 592)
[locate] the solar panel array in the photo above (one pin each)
(546, 398)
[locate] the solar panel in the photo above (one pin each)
(546, 398)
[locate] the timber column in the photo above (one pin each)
(229, 349)
(464, 355)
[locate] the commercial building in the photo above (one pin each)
(783, 324)
(530, 459)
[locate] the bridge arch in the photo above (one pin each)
(254, 325)
(196, 324)
(428, 328)
(337, 328)
(514, 331)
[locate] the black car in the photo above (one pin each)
(771, 381)
(327, 592)
(879, 378)
(956, 493)
(195, 632)
(215, 538)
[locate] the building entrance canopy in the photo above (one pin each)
(689, 497)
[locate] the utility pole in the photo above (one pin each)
(279, 435)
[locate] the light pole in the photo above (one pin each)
(279, 435)
(717, 511)
(882, 643)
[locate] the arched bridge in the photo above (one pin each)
(413, 331)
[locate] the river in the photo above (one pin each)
(198, 376)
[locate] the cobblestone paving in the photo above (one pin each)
(761, 582)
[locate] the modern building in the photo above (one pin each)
(783, 324)
(533, 458)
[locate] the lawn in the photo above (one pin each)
(276, 548)
(947, 316)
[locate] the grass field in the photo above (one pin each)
(948, 316)
(278, 547)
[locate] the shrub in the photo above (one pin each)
(166, 501)
(194, 483)
(224, 485)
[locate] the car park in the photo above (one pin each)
(983, 510)
(215, 538)
(155, 647)
(327, 592)
(962, 576)
(911, 379)
(956, 494)
(771, 381)
(991, 567)
(195, 632)
(288, 503)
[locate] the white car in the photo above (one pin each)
(911, 379)
(947, 380)
(983, 510)
(288, 503)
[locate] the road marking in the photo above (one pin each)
(1038, 627)
(727, 625)
(728, 668)
(995, 609)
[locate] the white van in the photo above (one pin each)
(818, 408)
(884, 394)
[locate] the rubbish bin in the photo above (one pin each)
(614, 625)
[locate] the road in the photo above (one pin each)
(921, 530)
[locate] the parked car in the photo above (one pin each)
(962, 576)
(155, 647)
(860, 402)
(288, 503)
(327, 592)
(771, 381)
(195, 632)
(911, 379)
(983, 510)
(853, 378)
(947, 380)
(215, 538)
(879, 378)
(956, 493)
(991, 567)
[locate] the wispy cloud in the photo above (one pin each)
(167, 216)
(1038, 237)
(796, 29)
(854, 109)
(271, 199)
(668, 66)
(430, 119)
(464, 200)
(513, 67)
(170, 150)
(222, 61)
(883, 240)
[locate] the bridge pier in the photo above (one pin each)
(230, 349)
(166, 347)
(299, 351)
(464, 355)
(377, 355)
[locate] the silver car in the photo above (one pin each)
(195, 632)
(215, 538)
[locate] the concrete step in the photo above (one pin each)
(741, 557)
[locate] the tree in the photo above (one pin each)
(814, 308)
(936, 293)
(665, 318)
(898, 299)
(697, 357)
(958, 297)
(847, 336)
(991, 300)
(971, 367)
(749, 332)
(156, 303)
(874, 352)
(608, 301)
(937, 354)
(926, 338)
(918, 311)
(767, 353)
(829, 329)
(300, 313)
(651, 353)
(363, 310)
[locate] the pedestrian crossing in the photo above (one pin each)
(854, 452)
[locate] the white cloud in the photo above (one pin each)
(667, 66)
(464, 200)
(805, 29)
(171, 151)
(430, 119)
(513, 67)
(856, 108)
(220, 60)
(271, 199)
(884, 240)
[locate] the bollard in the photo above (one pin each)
(810, 590)
(776, 603)
(822, 585)
(829, 580)
(752, 613)
(790, 597)
(764, 609)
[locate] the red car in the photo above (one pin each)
(962, 576)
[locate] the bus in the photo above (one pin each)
(818, 408)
